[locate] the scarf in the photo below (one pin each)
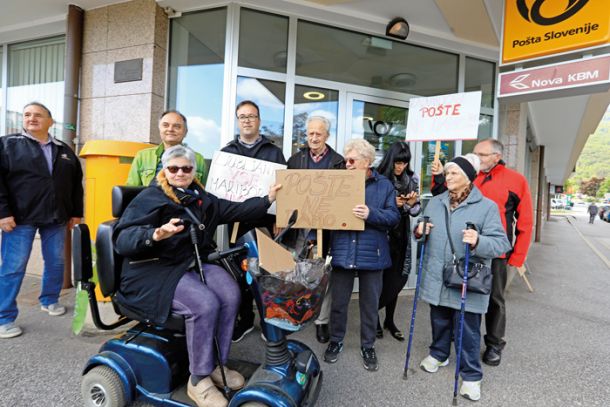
(456, 198)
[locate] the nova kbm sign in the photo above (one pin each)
(536, 28)
(588, 75)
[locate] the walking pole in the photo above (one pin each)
(419, 271)
(194, 240)
(458, 358)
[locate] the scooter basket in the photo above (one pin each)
(293, 298)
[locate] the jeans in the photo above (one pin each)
(445, 323)
(15, 251)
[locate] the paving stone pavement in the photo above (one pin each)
(558, 351)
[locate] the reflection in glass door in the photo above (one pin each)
(379, 121)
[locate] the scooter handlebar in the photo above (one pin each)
(226, 253)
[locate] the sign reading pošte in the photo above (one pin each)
(583, 76)
(536, 28)
(444, 117)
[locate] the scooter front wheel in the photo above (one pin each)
(102, 387)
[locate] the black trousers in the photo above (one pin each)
(342, 283)
(495, 319)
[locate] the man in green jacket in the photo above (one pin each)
(147, 163)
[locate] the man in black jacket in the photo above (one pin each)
(40, 190)
(251, 143)
(319, 156)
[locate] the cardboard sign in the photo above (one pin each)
(237, 178)
(533, 29)
(272, 256)
(445, 117)
(324, 198)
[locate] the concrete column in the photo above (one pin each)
(114, 110)
(512, 129)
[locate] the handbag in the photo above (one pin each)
(479, 273)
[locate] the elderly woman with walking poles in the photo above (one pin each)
(449, 214)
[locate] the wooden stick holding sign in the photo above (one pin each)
(437, 151)
(234, 233)
(319, 244)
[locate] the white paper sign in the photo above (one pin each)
(237, 178)
(445, 117)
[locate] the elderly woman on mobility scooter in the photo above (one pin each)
(160, 272)
(449, 211)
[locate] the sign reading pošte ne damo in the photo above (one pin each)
(536, 28)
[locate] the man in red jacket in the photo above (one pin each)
(510, 191)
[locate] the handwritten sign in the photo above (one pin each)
(237, 178)
(445, 117)
(324, 198)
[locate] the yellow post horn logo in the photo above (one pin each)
(534, 15)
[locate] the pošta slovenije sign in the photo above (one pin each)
(324, 198)
(536, 28)
(583, 76)
(237, 178)
(445, 117)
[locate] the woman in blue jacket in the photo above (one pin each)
(362, 253)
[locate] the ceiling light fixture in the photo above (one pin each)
(313, 95)
(397, 28)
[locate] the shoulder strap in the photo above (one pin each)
(449, 232)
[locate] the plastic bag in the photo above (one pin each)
(293, 298)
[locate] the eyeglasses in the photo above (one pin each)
(187, 169)
(250, 117)
(351, 161)
(484, 154)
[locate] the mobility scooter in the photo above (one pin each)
(148, 364)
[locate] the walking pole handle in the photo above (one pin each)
(425, 222)
(470, 225)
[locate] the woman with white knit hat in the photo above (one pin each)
(449, 211)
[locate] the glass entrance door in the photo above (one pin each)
(380, 121)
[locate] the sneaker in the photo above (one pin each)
(369, 357)
(431, 365)
(471, 390)
(332, 352)
(9, 330)
(235, 380)
(205, 394)
(54, 310)
(241, 330)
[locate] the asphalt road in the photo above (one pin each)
(558, 351)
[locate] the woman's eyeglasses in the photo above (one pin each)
(351, 161)
(174, 169)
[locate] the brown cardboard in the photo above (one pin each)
(272, 256)
(324, 198)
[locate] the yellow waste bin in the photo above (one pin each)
(107, 163)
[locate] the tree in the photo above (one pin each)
(604, 188)
(591, 186)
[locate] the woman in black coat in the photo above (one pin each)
(395, 165)
(159, 274)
